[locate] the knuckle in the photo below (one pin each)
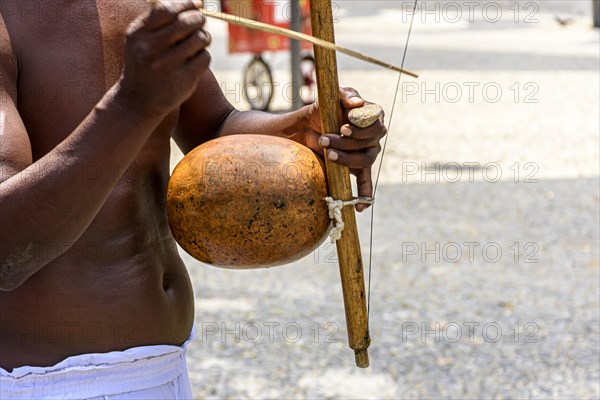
(351, 92)
(372, 155)
(207, 37)
(185, 21)
(202, 37)
(204, 58)
(198, 36)
(364, 143)
(141, 50)
(200, 17)
(377, 130)
(165, 9)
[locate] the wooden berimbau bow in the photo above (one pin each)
(338, 177)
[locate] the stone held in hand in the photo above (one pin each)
(366, 115)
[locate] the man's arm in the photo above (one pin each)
(49, 200)
(208, 114)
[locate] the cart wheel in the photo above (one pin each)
(258, 84)
(308, 90)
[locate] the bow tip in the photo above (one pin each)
(362, 358)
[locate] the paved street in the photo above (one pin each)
(485, 276)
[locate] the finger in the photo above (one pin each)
(350, 98)
(376, 130)
(165, 12)
(364, 182)
(356, 159)
(184, 51)
(311, 140)
(180, 28)
(338, 142)
(198, 64)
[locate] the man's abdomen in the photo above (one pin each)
(121, 285)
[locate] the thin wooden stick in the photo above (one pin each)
(338, 177)
(248, 23)
(261, 26)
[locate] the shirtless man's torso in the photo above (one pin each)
(121, 283)
(90, 94)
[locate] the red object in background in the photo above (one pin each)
(276, 12)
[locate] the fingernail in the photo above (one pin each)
(332, 155)
(356, 100)
(345, 130)
(324, 141)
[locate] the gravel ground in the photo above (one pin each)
(484, 284)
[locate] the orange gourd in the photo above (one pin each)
(248, 201)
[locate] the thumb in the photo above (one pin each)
(350, 98)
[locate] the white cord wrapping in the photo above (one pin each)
(335, 213)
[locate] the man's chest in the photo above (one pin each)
(69, 54)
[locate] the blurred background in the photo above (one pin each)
(485, 257)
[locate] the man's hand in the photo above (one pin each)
(165, 57)
(356, 148)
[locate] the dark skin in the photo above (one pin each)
(88, 263)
